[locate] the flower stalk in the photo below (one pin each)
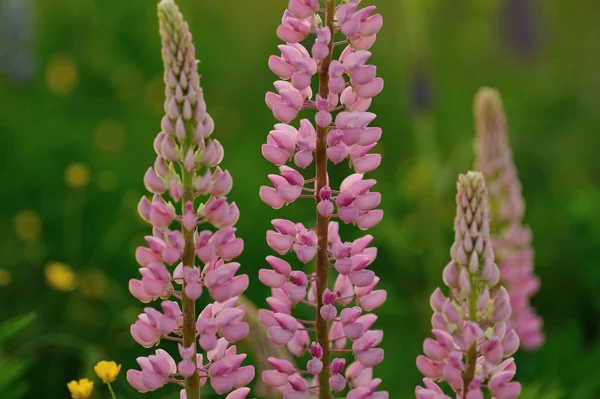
(112, 392)
(187, 170)
(323, 220)
(346, 87)
(473, 346)
(192, 383)
(511, 239)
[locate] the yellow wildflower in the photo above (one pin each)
(60, 276)
(81, 389)
(107, 371)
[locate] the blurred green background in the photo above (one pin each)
(81, 98)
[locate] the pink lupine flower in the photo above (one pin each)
(288, 102)
(356, 203)
(226, 372)
(155, 371)
(341, 130)
(292, 29)
(187, 168)
(296, 64)
(472, 343)
(241, 393)
(281, 144)
(186, 366)
(511, 239)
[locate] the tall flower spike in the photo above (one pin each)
(511, 239)
(187, 169)
(472, 344)
(339, 310)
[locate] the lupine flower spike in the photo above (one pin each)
(511, 239)
(187, 169)
(337, 335)
(472, 345)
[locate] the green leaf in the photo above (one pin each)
(15, 325)
(12, 371)
(16, 391)
(541, 391)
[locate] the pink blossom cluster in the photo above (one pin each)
(339, 339)
(515, 256)
(187, 169)
(472, 345)
(351, 86)
(511, 239)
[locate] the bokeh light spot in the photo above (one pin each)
(5, 278)
(107, 180)
(131, 313)
(127, 81)
(417, 180)
(131, 198)
(227, 120)
(60, 276)
(110, 136)
(93, 283)
(155, 96)
(35, 252)
(28, 225)
(77, 175)
(61, 74)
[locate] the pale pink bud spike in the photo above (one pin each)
(186, 125)
(512, 239)
(461, 354)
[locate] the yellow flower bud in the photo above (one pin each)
(107, 371)
(81, 389)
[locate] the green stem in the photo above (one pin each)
(192, 383)
(470, 369)
(112, 393)
(472, 352)
(322, 221)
